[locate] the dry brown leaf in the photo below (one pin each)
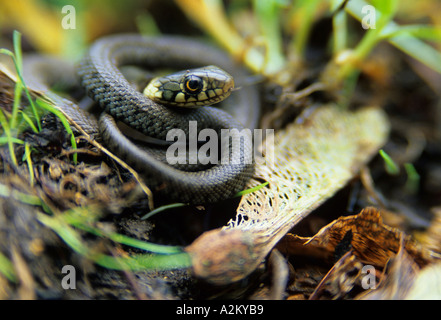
(371, 240)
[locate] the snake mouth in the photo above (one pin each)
(229, 86)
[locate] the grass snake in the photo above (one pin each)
(100, 75)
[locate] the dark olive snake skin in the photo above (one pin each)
(99, 74)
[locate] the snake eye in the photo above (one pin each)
(193, 84)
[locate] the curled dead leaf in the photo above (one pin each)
(371, 240)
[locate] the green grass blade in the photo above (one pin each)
(147, 246)
(46, 106)
(5, 140)
(144, 262)
(178, 204)
(16, 38)
(85, 219)
(16, 105)
(119, 238)
(390, 165)
(418, 50)
(9, 139)
(250, 190)
(7, 268)
(6, 192)
(7, 52)
(27, 156)
(418, 31)
(19, 68)
(29, 121)
(387, 8)
(308, 9)
(413, 178)
(174, 261)
(163, 208)
(340, 34)
(137, 262)
(406, 42)
(65, 232)
(20, 80)
(268, 14)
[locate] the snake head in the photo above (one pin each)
(191, 88)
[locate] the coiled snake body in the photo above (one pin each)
(100, 75)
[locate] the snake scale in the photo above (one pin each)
(99, 74)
